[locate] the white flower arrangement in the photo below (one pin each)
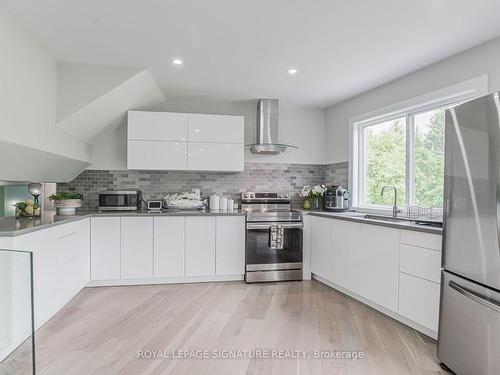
(184, 201)
(315, 191)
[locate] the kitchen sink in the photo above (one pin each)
(391, 219)
(384, 218)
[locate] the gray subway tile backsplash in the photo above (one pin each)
(285, 178)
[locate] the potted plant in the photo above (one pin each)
(312, 195)
(67, 202)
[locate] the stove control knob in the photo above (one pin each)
(286, 196)
(245, 195)
(252, 195)
(281, 196)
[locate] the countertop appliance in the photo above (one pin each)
(469, 324)
(336, 199)
(155, 206)
(273, 248)
(122, 200)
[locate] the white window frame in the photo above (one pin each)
(447, 96)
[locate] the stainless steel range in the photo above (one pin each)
(273, 238)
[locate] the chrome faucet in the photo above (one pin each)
(395, 209)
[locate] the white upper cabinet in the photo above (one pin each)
(215, 128)
(162, 155)
(204, 156)
(181, 141)
(157, 126)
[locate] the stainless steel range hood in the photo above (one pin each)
(268, 129)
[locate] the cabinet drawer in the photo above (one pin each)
(157, 126)
(427, 240)
(419, 300)
(161, 155)
(420, 262)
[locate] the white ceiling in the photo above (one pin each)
(242, 49)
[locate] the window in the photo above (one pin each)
(403, 145)
(407, 152)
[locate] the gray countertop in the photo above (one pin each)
(11, 227)
(358, 217)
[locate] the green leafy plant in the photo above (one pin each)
(64, 195)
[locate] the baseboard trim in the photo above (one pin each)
(426, 331)
(165, 280)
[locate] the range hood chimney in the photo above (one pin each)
(268, 129)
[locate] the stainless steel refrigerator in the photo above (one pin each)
(469, 325)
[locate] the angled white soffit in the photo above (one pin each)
(23, 163)
(137, 92)
(80, 84)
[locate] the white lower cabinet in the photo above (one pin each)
(230, 245)
(200, 246)
(346, 254)
(398, 270)
(419, 300)
(136, 248)
(379, 265)
(105, 248)
(169, 246)
(60, 265)
(321, 245)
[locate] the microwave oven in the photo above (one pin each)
(123, 200)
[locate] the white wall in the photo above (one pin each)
(80, 84)
(298, 126)
(484, 59)
(28, 94)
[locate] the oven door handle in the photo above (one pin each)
(251, 226)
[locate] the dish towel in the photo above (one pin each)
(276, 236)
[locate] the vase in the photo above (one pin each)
(67, 206)
(315, 203)
(307, 204)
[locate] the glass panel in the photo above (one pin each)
(259, 251)
(429, 158)
(385, 162)
(16, 313)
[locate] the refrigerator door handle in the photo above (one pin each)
(496, 99)
(485, 301)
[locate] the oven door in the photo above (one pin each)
(119, 201)
(262, 256)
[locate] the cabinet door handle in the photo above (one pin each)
(66, 235)
(476, 297)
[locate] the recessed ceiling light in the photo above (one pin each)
(177, 61)
(292, 71)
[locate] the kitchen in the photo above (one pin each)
(198, 208)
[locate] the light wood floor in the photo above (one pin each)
(102, 329)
